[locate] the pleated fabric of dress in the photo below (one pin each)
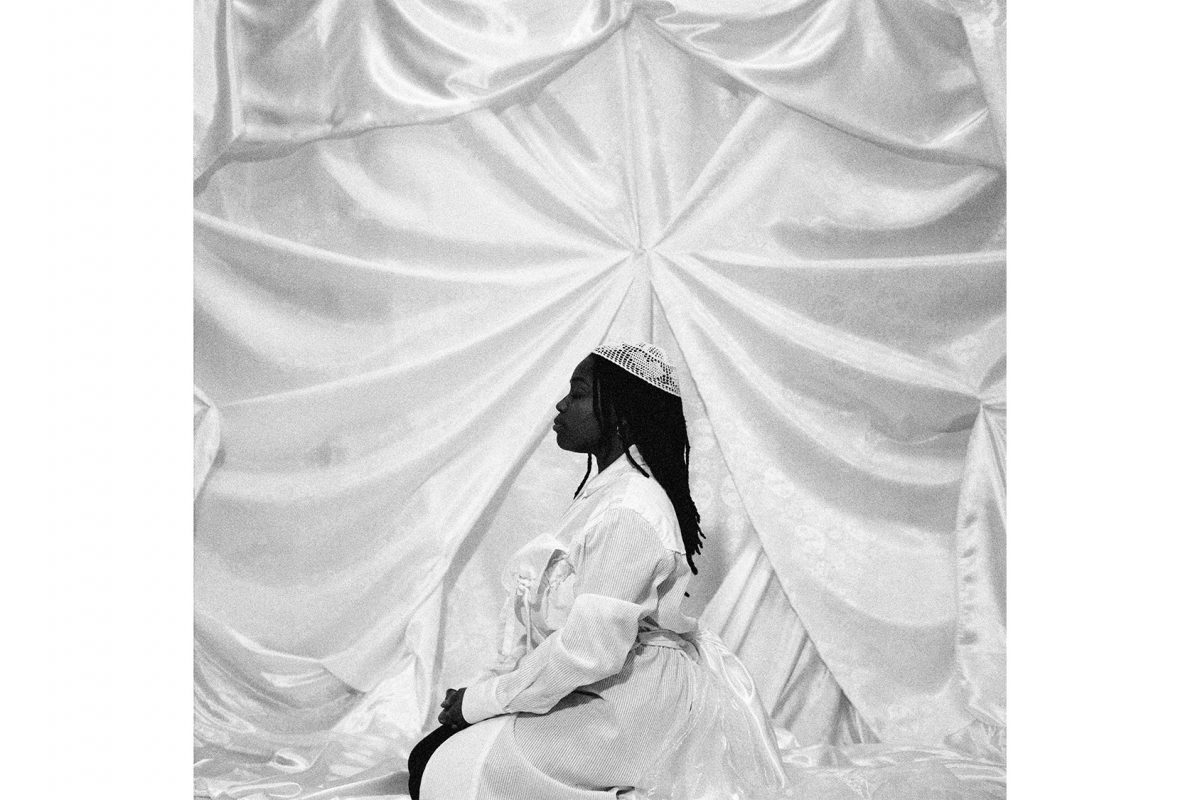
(604, 686)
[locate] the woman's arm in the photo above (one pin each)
(622, 563)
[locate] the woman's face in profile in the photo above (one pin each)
(576, 428)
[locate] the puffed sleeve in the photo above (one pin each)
(620, 566)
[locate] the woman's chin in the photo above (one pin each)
(564, 443)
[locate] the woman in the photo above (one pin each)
(604, 685)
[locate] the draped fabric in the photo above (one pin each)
(411, 222)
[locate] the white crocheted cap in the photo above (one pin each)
(645, 360)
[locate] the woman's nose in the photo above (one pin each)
(561, 405)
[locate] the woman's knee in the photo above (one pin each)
(418, 759)
(453, 772)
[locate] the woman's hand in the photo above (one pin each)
(451, 715)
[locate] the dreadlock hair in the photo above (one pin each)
(652, 419)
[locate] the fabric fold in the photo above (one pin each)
(326, 68)
(810, 55)
(777, 414)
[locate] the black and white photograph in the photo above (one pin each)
(599, 399)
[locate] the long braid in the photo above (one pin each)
(653, 420)
(585, 476)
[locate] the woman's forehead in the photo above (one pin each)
(583, 371)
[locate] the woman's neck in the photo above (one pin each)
(606, 455)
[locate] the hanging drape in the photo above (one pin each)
(414, 218)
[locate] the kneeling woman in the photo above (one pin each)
(604, 685)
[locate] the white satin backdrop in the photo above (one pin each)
(413, 219)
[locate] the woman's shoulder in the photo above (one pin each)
(642, 496)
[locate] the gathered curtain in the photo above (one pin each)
(412, 219)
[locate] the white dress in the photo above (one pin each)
(604, 687)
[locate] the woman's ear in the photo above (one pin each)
(623, 432)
